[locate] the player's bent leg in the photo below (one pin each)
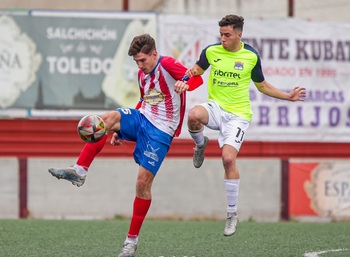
(197, 117)
(70, 174)
(112, 120)
(231, 224)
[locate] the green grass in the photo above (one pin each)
(52, 238)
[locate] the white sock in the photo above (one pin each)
(80, 170)
(132, 239)
(197, 137)
(232, 188)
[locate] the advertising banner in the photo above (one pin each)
(67, 60)
(52, 62)
(319, 188)
(293, 53)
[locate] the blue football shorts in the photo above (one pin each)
(152, 144)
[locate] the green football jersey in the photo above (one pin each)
(230, 77)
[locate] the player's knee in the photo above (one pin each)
(192, 115)
(111, 119)
(228, 162)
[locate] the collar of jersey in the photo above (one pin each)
(152, 72)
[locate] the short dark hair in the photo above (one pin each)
(142, 44)
(235, 21)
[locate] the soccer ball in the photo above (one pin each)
(91, 128)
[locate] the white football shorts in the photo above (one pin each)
(231, 128)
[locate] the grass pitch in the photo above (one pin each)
(53, 238)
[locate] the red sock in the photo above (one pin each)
(89, 152)
(141, 207)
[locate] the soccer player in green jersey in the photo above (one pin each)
(228, 108)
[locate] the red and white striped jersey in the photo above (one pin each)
(160, 104)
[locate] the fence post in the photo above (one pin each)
(285, 190)
(23, 187)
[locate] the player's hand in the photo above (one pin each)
(116, 140)
(192, 72)
(297, 94)
(180, 86)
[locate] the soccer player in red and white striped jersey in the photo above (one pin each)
(153, 124)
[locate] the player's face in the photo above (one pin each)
(146, 62)
(230, 38)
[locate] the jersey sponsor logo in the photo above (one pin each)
(217, 60)
(154, 97)
(225, 83)
(227, 74)
(238, 66)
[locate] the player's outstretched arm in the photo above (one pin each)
(296, 94)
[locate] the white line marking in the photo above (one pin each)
(316, 254)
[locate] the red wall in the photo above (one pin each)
(58, 138)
